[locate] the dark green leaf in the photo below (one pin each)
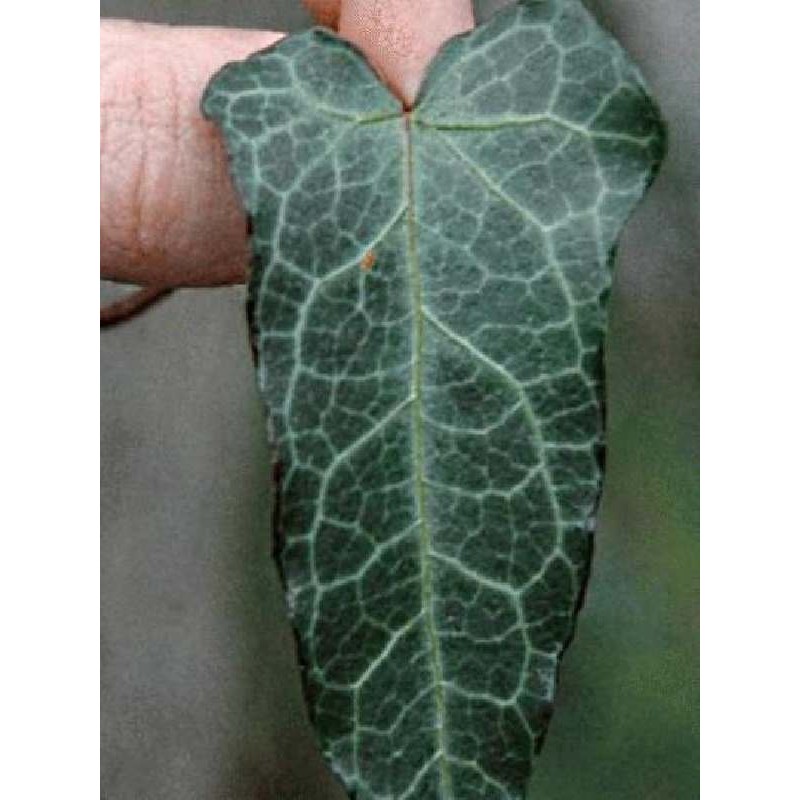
(428, 303)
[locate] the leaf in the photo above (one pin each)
(428, 305)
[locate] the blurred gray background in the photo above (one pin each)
(200, 693)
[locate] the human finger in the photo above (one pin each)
(325, 12)
(169, 214)
(400, 37)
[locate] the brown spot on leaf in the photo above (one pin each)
(368, 261)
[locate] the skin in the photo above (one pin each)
(169, 215)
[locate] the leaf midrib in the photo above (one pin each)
(417, 433)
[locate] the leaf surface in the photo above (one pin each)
(428, 306)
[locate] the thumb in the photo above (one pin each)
(169, 214)
(400, 37)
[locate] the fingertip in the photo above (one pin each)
(325, 12)
(400, 37)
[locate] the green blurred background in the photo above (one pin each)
(200, 693)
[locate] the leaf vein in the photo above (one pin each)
(526, 406)
(425, 539)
